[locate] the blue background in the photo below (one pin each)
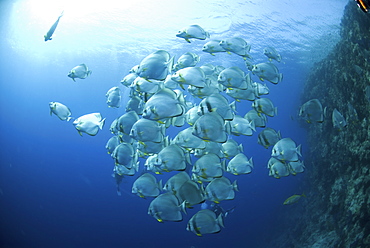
(56, 186)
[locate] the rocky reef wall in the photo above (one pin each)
(336, 212)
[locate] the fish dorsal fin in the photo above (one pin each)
(84, 66)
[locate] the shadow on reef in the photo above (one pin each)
(337, 181)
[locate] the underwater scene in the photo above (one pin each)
(187, 124)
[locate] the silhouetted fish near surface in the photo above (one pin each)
(51, 31)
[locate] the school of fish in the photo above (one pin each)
(202, 102)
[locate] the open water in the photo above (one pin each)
(56, 188)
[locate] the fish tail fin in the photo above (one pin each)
(170, 64)
(89, 72)
(101, 124)
(241, 149)
(298, 150)
(251, 162)
(160, 185)
(227, 126)
(208, 35)
(235, 186)
(280, 77)
(187, 157)
(253, 126)
(69, 118)
(220, 220)
(167, 141)
(183, 207)
(275, 111)
(233, 106)
(223, 165)
(279, 135)
(61, 14)
(162, 130)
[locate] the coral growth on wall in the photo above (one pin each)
(336, 212)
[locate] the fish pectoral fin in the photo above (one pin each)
(159, 220)
(182, 79)
(142, 143)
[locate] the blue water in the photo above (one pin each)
(56, 188)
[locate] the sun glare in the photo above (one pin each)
(74, 8)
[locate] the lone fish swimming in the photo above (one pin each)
(48, 35)
(293, 199)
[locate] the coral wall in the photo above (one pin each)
(336, 212)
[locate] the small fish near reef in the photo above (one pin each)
(51, 31)
(293, 199)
